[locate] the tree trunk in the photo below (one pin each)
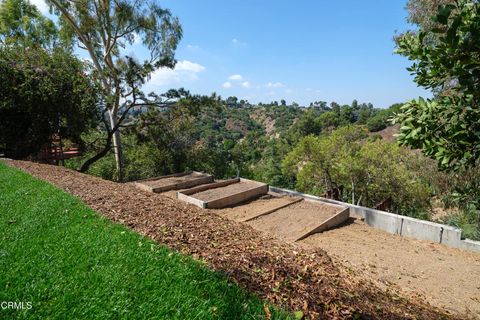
(86, 165)
(117, 145)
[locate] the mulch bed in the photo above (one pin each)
(284, 274)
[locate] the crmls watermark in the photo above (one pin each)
(15, 305)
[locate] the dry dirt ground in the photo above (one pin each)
(448, 278)
(244, 212)
(212, 194)
(294, 221)
(287, 275)
(172, 180)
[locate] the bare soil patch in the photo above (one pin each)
(446, 277)
(162, 182)
(231, 189)
(254, 208)
(293, 221)
(285, 274)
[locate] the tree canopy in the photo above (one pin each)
(446, 128)
(369, 170)
(43, 93)
(106, 30)
(21, 24)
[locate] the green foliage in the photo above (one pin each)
(312, 163)
(377, 123)
(382, 118)
(447, 132)
(447, 129)
(43, 93)
(420, 12)
(107, 31)
(468, 222)
(370, 171)
(306, 125)
(72, 263)
(21, 24)
(454, 57)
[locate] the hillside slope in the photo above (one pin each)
(287, 275)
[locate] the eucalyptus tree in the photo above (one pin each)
(21, 24)
(107, 30)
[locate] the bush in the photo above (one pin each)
(377, 123)
(42, 93)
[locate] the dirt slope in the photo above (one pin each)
(287, 275)
(446, 277)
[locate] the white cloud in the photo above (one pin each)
(227, 85)
(193, 47)
(184, 71)
(274, 85)
(246, 84)
(236, 77)
(189, 66)
(289, 91)
(41, 5)
(235, 41)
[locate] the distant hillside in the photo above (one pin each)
(235, 121)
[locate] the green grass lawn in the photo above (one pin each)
(71, 263)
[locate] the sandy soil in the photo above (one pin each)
(254, 208)
(294, 221)
(212, 194)
(172, 180)
(448, 278)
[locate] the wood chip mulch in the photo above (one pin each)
(288, 276)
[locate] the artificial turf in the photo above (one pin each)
(63, 260)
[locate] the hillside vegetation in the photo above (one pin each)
(312, 149)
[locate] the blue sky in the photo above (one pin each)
(299, 51)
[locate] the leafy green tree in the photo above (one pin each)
(43, 93)
(420, 12)
(108, 29)
(370, 171)
(447, 128)
(312, 162)
(21, 24)
(328, 121)
(306, 125)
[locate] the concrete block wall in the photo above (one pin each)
(401, 225)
